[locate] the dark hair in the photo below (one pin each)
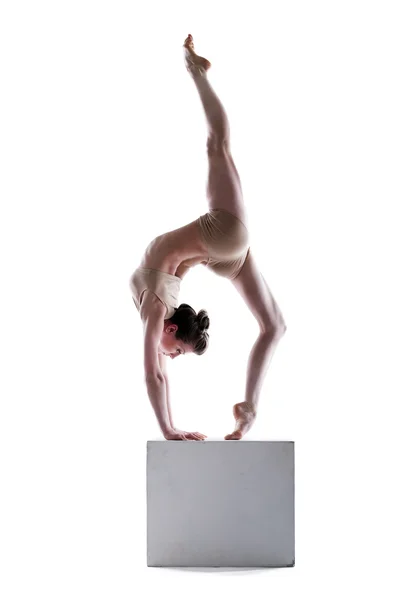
(192, 327)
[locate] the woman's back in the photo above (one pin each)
(171, 252)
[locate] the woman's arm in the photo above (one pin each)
(168, 402)
(163, 366)
(155, 382)
(156, 390)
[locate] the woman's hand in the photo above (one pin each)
(178, 434)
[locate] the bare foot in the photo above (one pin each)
(194, 64)
(245, 417)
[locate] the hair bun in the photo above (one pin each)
(203, 320)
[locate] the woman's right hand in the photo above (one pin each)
(178, 434)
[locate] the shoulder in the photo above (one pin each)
(151, 306)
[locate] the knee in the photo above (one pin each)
(281, 328)
(277, 329)
(217, 144)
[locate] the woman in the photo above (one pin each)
(218, 239)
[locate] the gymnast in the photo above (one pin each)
(218, 239)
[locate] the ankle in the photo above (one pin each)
(197, 72)
(250, 407)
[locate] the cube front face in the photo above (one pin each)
(220, 504)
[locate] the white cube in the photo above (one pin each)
(220, 503)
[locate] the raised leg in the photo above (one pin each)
(224, 189)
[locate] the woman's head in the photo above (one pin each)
(185, 331)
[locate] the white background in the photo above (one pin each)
(103, 147)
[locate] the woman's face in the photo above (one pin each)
(170, 346)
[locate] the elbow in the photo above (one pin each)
(152, 379)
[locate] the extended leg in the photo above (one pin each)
(224, 188)
(217, 120)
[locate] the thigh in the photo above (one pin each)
(254, 290)
(224, 189)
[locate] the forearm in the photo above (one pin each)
(157, 392)
(259, 359)
(168, 400)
